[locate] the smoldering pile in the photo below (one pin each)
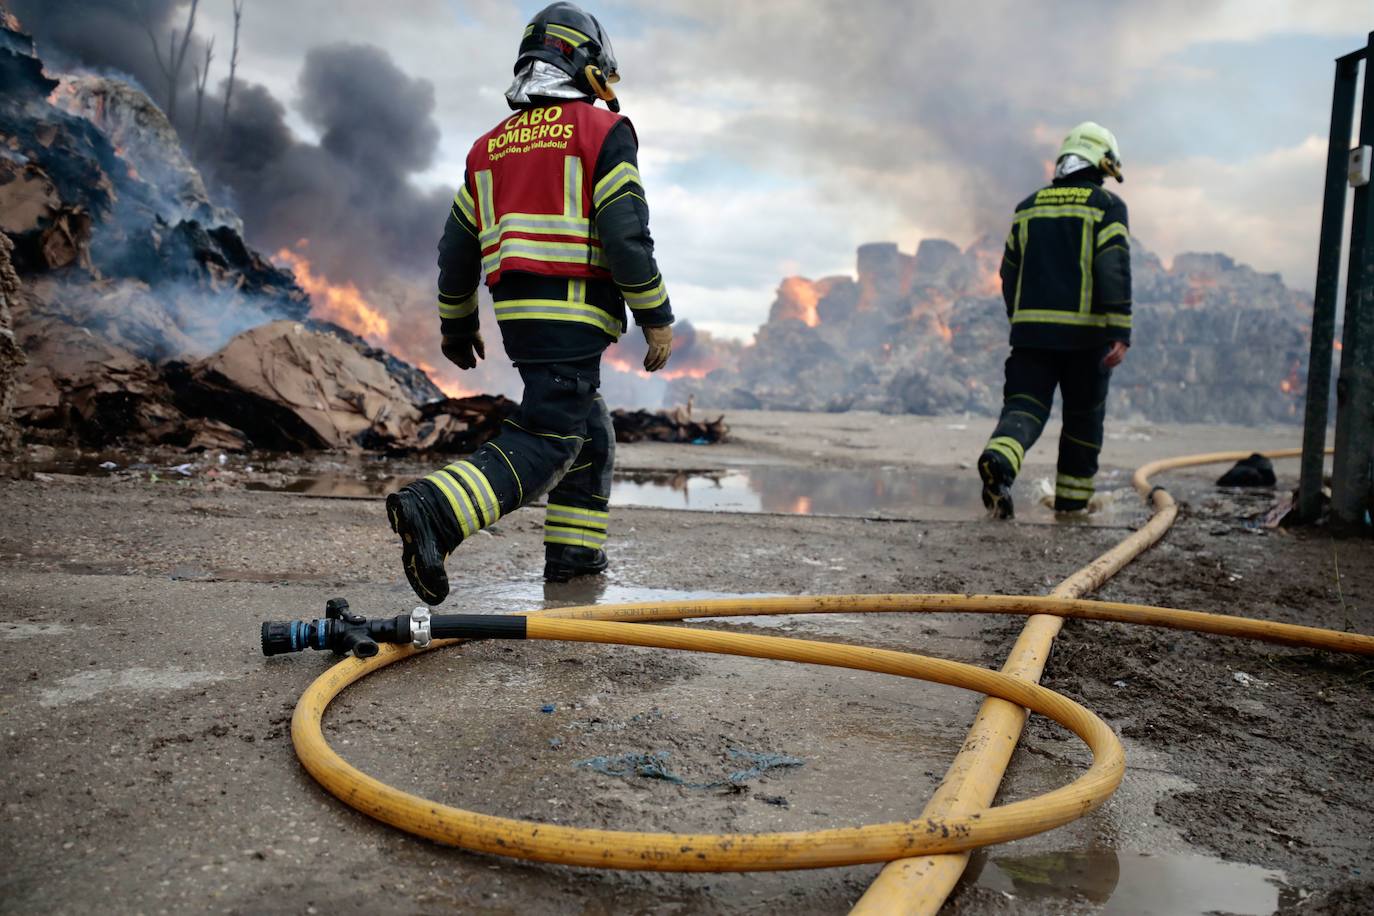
(676, 425)
(1214, 341)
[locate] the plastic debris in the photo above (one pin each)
(108, 465)
(184, 470)
(1243, 679)
(547, 708)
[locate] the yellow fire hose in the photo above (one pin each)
(941, 837)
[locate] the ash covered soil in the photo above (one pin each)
(145, 748)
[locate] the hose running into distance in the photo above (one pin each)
(938, 836)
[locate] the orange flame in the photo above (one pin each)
(339, 303)
(624, 365)
(445, 381)
(1290, 384)
(800, 298)
(688, 372)
(801, 506)
(344, 305)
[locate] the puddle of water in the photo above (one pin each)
(1137, 883)
(916, 492)
(88, 685)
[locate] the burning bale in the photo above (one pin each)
(674, 425)
(95, 189)
(76, 385)
(927, 334)
(293, 389)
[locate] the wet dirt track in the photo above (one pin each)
(145, 740)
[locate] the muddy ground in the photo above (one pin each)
(148, 768)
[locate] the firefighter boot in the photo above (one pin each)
(565, 561)
(997, 477)
(415, 514)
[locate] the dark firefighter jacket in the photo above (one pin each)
(548, 311)
(1066, 269)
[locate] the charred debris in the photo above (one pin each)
(133, 313)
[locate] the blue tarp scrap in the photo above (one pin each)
(654, 765)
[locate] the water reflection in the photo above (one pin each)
(1137, 883)
(910, 492)
(918, 492)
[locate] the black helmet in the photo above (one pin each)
(569, 38)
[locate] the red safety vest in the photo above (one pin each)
(531, 179)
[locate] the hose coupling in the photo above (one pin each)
(420, 632)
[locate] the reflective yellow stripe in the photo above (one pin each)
(1111, 231)
(1036, 212)
(486, 498)
(572, 187)
(576, 252)
(574, 536)
(1085, 269)
(576, 515)
(649, 299)
(460, 309)
(486, 206)
(1051, 316)
(537, 224)
(556, 519)
(1117, 320)
(463, 509)
(1009, 449)
(463, 201)
(1069, 480)
(547, 252)
(616, 178)
(1023, 233)
(556, 310)
(488, 491)
(1017, 449)
(570, 35)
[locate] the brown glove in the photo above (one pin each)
(660, 341)
(464, 350)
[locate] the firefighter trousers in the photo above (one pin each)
(560, 442)
(1031, 377)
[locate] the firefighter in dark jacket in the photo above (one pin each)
(1066, 280)
(552, 217)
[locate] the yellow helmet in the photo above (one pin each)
(1096, 144)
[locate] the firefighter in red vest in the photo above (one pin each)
(552, 216)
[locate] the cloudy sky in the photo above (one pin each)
(777, 136)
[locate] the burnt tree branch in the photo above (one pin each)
(233, 64)
(202, 78)
(175, 61)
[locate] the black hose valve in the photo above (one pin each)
(341, 631)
